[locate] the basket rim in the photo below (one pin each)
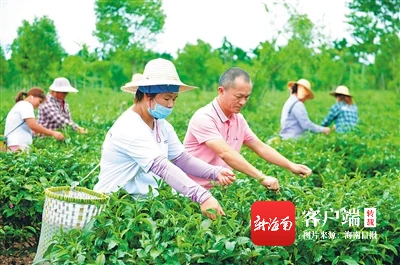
(101, 197)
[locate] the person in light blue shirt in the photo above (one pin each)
(294, 117)
(344, 113)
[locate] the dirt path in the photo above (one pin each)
(11, 260)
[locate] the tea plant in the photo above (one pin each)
(353, 171)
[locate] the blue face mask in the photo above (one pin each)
(160, 112)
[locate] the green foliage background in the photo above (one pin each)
(356, 170)
(126, 31)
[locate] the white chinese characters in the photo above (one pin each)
(350, 217)
(272, 224)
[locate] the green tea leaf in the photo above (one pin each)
(154, 253)
(112, 244)
(230, 245)
(205, 224)
(390, 247)
(348, 260)
(101, 259)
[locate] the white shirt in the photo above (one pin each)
(21, 136)
(129, 150)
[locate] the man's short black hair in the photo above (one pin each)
(227, 79)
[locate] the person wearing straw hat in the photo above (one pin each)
(294, 118)
(344, 113)
(128, 86)
(138, 148)
(55, 113)
(217, 131)
(20, 121)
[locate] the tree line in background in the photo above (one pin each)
(126, 28)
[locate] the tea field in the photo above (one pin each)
(351, 172)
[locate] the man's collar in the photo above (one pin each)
(220, 113)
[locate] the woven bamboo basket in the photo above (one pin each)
(67, 208)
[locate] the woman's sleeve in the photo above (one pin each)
(178, 180)
(26, 111)
(196, 167)
(333, 112)
(301, 115)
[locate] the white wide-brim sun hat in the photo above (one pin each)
(127, 87)
(157, 72)
(303, 82)
(61, 84)
(342, 90)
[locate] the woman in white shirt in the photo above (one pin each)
(139, 147)
(20, 121)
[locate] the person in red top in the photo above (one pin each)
(54, 113)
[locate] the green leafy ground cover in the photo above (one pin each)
(353, 171)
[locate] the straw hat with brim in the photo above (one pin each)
(61, 84)
(341, 90)
(135, 78)
(304, 83)
(159, 76)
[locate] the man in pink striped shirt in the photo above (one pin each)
(217, 132)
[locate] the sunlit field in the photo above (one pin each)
(353, 171)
